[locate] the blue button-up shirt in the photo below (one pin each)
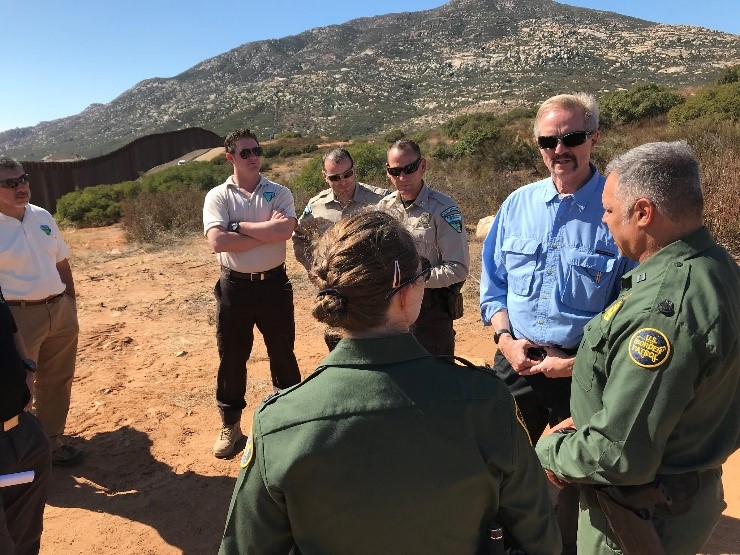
(551, 262)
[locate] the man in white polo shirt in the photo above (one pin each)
(247, 221)
(37, 283)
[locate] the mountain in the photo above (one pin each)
(398, 70)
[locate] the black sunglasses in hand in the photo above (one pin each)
(576, 138)
(407, 169)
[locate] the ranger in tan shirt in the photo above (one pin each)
(436, 224)
(344, 197)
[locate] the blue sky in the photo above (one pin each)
(59, 57)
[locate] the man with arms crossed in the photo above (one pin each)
(247, 221)
(436, 224)
(550, 265)
(344, 197)
(655, 384)
(36, 280)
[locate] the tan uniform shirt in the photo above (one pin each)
(228, 203)
(323, 211)
(436, 224)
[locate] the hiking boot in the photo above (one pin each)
(227, 439)
(66, 455)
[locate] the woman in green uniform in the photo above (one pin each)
(385, 449)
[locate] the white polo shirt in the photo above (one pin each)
(227, 203)
(29, 252)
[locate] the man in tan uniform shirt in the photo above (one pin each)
(344, 197)
(436, 224)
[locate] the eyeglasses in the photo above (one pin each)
(17, 182)
(247, 152)
(426, 269)
(576, 138)
(408, 169)
(344, 175)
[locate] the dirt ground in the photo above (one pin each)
(143, 405)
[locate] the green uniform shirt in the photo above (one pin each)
(385, 449)
(655, 382)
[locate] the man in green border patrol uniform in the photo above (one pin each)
(655, 386)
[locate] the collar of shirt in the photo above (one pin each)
(421, 200)
(678, 251)
(230, 183)
(379, 350)
(582, 196)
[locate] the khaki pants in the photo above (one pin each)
(50, 333)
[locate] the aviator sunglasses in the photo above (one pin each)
(344, 175)
(426, 269)
(247, 152)
(408, 169)
(576, 138)
(17, 182)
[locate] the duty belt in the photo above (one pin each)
(252, 276)
(48, 300)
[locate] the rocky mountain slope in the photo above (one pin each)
(398, 70)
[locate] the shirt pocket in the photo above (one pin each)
(520, 259)
(587, 281)
(592, 344)
(425, 239)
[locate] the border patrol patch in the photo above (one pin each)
(269, 195)
(46, 229)
(649, 348)
(453, 217)
(307, 210)
(248, 454)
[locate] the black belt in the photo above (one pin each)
(47, 300)
(252, 276)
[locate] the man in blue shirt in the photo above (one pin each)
(550, 265)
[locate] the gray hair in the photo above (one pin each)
(336, 155)
(579, 101)
(8, 163)
(667, 174)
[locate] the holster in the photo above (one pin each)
(453, 299)
(629, 510)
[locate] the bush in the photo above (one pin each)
(100, 205)
(719, 102)
(393, 136)
(728, 75)
(640, 102)
(153, 215)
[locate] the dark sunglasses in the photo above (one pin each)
(426, 269)
(408, 169)
(344, 175)
(247, 152)
(576, 138)
(17, 182)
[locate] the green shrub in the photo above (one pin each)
(719, 102)
(640, 102)
(728, 75)
(271, 151)
(393, 136)
(288, 151)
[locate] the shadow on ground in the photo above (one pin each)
(187, 510)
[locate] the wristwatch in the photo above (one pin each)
(234, 226)
(29, 364)
(498, 333)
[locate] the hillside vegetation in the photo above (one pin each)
(478, 159)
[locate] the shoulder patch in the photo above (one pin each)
(453, 216)
(307, 210)
(248, 454)
(45, 228)
(269, 195)
(649, 348)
